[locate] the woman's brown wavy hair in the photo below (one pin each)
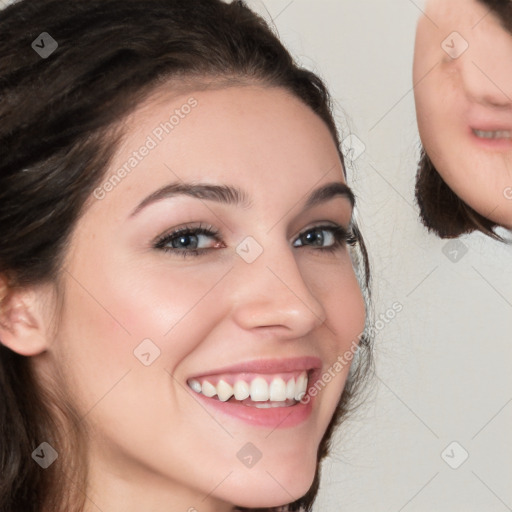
(61, 121)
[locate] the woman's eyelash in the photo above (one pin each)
(184, 233)
(342, 236)
(189, 235)
(345, 236)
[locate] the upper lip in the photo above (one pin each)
(264, 366)
(490, 122)
(493, 129)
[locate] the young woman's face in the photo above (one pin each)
(216, 264)
(463, 91)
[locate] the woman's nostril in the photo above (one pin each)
(283, 302)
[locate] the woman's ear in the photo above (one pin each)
(24, 318)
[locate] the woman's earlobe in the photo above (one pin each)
(23, 327)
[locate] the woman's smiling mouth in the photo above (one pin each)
(491, 130)
(496, 139)
(266, 393)
(252, 389)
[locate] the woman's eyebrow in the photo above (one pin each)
(220, 193)
(330, 191)
(234, 196)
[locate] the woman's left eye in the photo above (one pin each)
(326, 237)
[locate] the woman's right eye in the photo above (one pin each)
(190, 241)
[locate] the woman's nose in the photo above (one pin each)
(272, 294)
(482, 86)
(485, 69)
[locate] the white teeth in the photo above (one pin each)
(499, 134)
(224, 391)
(242, 390)
(208, 389)
(259, 390)
(301, 386)
(278, 390)
(195, 385)
(290, 389)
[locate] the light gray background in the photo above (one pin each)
(443, 364)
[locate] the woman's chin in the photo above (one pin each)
(272, 486)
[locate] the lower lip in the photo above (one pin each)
(494, 144)
(274, 417)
